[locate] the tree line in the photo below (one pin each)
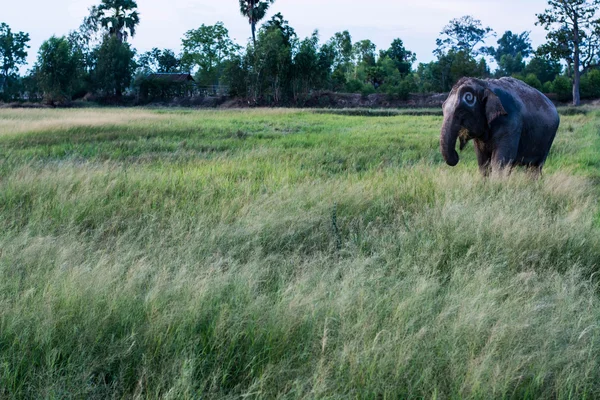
(279, 68)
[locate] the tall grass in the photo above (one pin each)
(175, 257)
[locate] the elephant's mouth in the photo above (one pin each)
(464, 136)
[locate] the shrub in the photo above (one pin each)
(590, 85)
(354, 86)
(533, 81)
(563, 87)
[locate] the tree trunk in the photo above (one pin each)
(253, 22)
(576, 71)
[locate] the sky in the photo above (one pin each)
(163, 23)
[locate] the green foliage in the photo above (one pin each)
(278, 23)
(341, 43)
(355, 86)
(512, 45)
(402, 58)
(563, 87)
(590, 85)
(463, 34)
(272, 72)
(573, 33)
(115, 66)
(364, 51)
(236, 72)
(307, 73)
(59, 67)
(441, 75)
(510, 65)
(119, 18)
(205, 49)
(533, 81)
(13, 52)
(255, 11)
(545, 68)
(287, 254)
(158, 61)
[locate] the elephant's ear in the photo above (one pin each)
(493, 106)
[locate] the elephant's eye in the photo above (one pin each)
(469, 99)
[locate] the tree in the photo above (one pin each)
(511, 51)
(255, 11)
(13, 52)
(115, 66)
(402, 58)
(306, 65)
(118, 17)
(512, 45)
(464, 34)
(57, 69)
(206, 48)
(278, 23)
(159, 61)
(509, 65)
(343, 50)
(544, 67)
(573, 35)
(273, 55)
(365, 53)
(441, 75)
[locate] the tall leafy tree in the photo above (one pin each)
(402, 58)
(157, 60)
(511, 52)
(115, 66)
(206, 49)
(13, 52)
(465, 34)
(58, 69)
(273, 57)
(365, 52)
(118, 17)
(573, 34)
(279, 23)
(544, 67)
(306, 72)
(255, 11)
(343, 51)
(512, 44)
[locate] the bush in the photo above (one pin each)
(354, 86)
(590, 85)
(402, 89)
(563, 87)
(533, 81)
(547, 87)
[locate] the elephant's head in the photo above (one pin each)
(469, 111)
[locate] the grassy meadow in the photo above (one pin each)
(283, 253)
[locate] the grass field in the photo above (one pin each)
(273, 253)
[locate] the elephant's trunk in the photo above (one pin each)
(448, 138)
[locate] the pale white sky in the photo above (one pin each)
(163, 23)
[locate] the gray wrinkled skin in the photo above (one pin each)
(510, 122)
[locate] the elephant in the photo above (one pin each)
(510, 123)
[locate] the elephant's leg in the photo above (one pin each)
(535, 170)
(503, 162)
(505, 150)
(484, 158)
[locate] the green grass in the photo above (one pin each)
(275, 253)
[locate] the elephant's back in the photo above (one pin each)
(534, 105)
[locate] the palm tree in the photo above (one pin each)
(118, 17)
(254, 10)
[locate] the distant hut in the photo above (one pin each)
(167, 86)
